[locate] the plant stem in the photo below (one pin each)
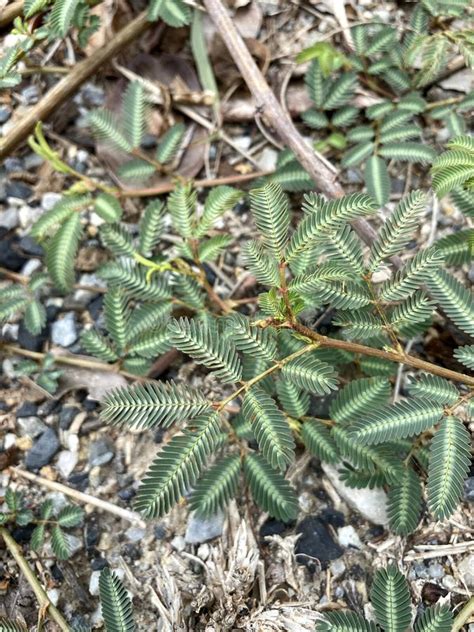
(84, 363)
(392, 356)
(464, 615)
(43, 600)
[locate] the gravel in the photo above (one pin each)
(31, 426)
(203, 529)
(100, 453)
(64, 331)
(19, 190)
(315, 543)
(49, 199)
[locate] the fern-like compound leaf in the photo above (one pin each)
(249, 339)
(60, 212)
(151, 344)
(178, 465)
(105, 126)
(454, 298)
(404, 503)
(408, 152)
(60, 543)
(203, 344)
(261, 264)
(340, 91)
(152, 404)
(270, 428)
(344, 248)
(436, 618)
(270, 210)
(417, 308)
(136, 170)
(407, 280)
(133, 112)
(464, 201)
(61, 251)
(449, 465)
(377, 180)
(115, 603)
(269, 489)
(96, 345)
(213, 247)
(35, 317)
(316, 83)
(117, 316)
(134, 281)
(108, 207)
(216, 487)
(150, 227)
(435, 389)
(465, 355)
(360, 133)
(294, 402)
(357, 154)
(310, 374)
(220, 200)
(344, 621)
(62, 15)
(319, 441)
(322, 215)
(182, 205)
(315, 119)
(398, 228)
(390, 597)
(170, 143)
(359, 397)
(344, 116)
(117, 239)
(457, 248)
(70, 516)
(388, 423)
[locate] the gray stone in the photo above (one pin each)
(135, 534)
(421, 571)
(203, 529)
(338, 568)
(100, 453)
(29, 215)
(67, 461)
(75, 543)
(370, 503)
(19, 190)
(33, 161)
(31, 426)
(461, 81)
(347, 537)
(43, 450)
(178, 543)
(49, 199)
(9, 218)
(64, 331)
(469, 489)
(13, 165)
(94, 583)
(436, 570)
(30, 94)
(5, 114)
(32, 265)
(466, 569)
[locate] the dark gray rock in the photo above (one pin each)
(31, 426)
(30, 247)
(66, 416)
(469, 489)
(43, 450)
(5, 114)
(17, 189)
(316, 543)
(31, 94)
(100, 453)
(10, 256)
(30, 342)
(13, 165)
(27, 409)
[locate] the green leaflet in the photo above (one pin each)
(316, 83)
(170, 143)
(377, 180)
(96, 345)
(250, 339)
(61, 251)
(390, 598)
(454, 298)
(344, 621)
(152, 404)
(58, 214)
(262, 265)
(108, 207)
(465, 355)
(448, 467)
(317, 438)
(435, 389)
(457, 248)
(117, 316)
(177, 466)
(217, 487)
(181, 205)
(269, 489)
(310, 374)
(436, 618)
(203, 344)
(405, 419)
(62, 15)
(174, 12)
(133, 113)
(151, 226)
(398, 228)
(417, 271)
(270, 428)
(358, 397)
(105, 125)
(404, 503)
(115, 603)
(270, 210)
(293, 401)
(220, 200)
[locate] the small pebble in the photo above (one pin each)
(31, 426)
(49, 199)
(75, 543)
(348, 537)
(436, 570)
(469, 489)
(27, 409)
(203, 529)
(53, 595)
(135, 534)
(31, 266)
(33, 161)
(5, 114)
(449, 582)
(30, 94)
(43, 450)
(67, 415)
(94, 583)
(9, 218)
(100, 453)
(64, 331)
(466, 569)
(66, 463)
(19, 190)
(178, 543)
(337, 568)
(13, 165)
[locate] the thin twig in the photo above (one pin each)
(11, 12)
(69, 84)
(268, 105)
(464, 616)
(87, 499)
(43, 599)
